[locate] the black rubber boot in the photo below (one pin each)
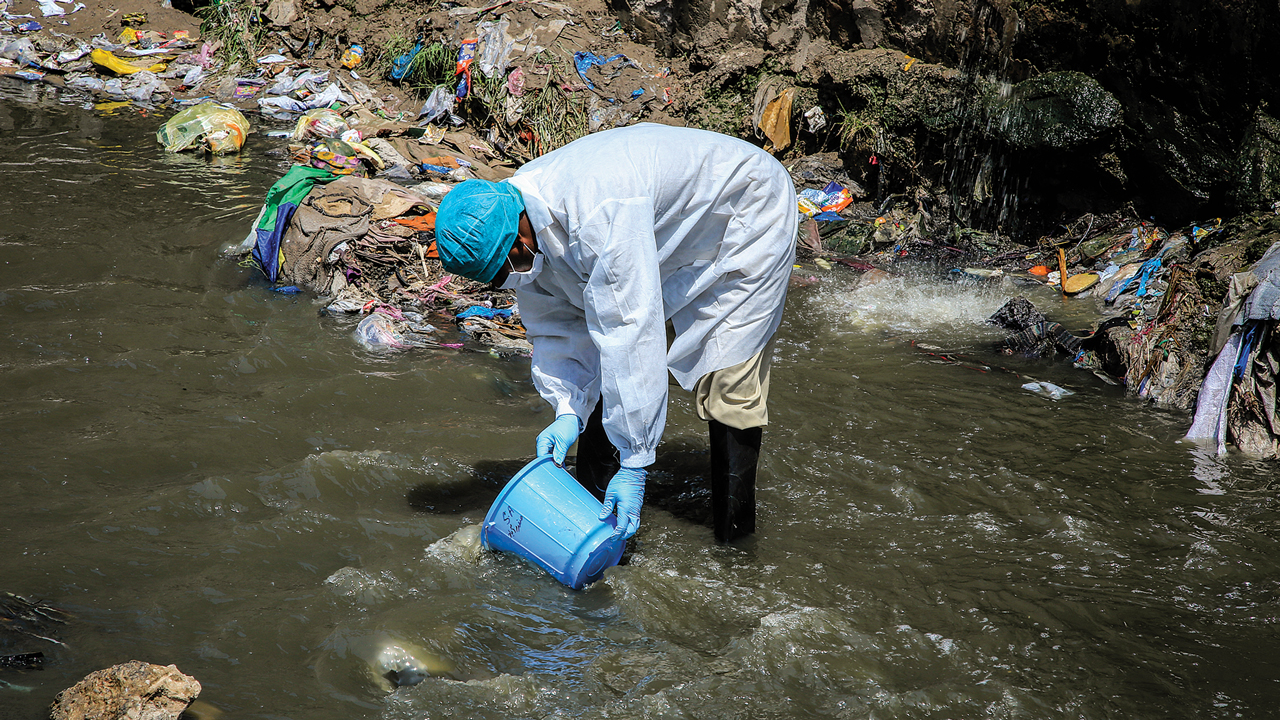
(598, 459)
(734, 454)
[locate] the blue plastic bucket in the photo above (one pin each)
(545, 516)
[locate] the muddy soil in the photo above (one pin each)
(106, 18)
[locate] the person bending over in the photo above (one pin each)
(607, 240)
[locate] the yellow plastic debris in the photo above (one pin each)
(108, 61)
(1079, 283)
(109, 107)
(775, 123)
(219, 127)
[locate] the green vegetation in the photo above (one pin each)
(727, 108)
(379, 62)
(556, 118)
(237, 24)
(857, 129)
(432, 66)
(852, 239)
(549, 116)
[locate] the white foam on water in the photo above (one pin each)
(462, 546)
(917, 305)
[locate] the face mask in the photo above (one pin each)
(516, 279)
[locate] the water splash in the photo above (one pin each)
(920, 305)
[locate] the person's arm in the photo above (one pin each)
(565, 365)
(625, 319)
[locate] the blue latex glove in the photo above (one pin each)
(626, 492)
(558, 438)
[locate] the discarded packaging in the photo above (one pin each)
(497, 46)
(1079, 283)
(323, 99)
(439, 104)
(584, 61)
(815, 118)
(466, 56)
(108, 61)
(382, 332)
(515, 83)
(220, 128)
(318, 123)
(400, 66)
(336, 156)
(775, 123)
(1048, 389)
(352, 56)
(139, 87)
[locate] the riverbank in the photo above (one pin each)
(858, 122)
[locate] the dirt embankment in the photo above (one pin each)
(1004, 115)
(1102, 140)
(1077, 107)
(1010, 116)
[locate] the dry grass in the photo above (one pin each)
(238, 25)
(550, 116)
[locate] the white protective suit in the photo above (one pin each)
(640, 225)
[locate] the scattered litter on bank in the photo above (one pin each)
(353, 221)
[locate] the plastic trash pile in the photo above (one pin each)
(526, 72)
(353, 221)
(1189, 321)
(151, 68)
(1237, 401)
(138, 65)
(389, 328)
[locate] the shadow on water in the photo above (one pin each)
(473, 490)
(678, 483)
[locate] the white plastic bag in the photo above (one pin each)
(496, 47)
(1047, 389)
(440, 103)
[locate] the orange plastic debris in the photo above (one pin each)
(421, 223)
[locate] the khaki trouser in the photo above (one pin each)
(737, 396)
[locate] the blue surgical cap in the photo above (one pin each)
(476, 226)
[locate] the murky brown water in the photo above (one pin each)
(209, 474)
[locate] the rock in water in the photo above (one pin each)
(401, 664)
(131, 691)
